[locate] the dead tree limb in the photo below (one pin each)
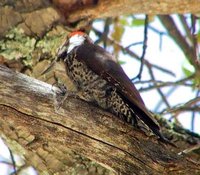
(32, 127)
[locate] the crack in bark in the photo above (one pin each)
(71, 129)
(83, 134)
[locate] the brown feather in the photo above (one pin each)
(103, 64)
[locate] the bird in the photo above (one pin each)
(102, 81)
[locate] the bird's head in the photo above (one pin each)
(73, 40)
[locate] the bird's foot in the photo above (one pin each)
(61, 95)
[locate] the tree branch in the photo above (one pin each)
(189, 51)
(48, 13)
(32, 127)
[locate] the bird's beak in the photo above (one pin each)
(49, 67)
(61, 54)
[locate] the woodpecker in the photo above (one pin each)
(102, 81)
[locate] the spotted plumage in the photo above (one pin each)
(95, 89)
(100, 80)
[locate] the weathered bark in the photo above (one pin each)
(38, 17)
(32, 127)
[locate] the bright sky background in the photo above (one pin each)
(169, 56)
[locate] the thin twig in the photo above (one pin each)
(192, 120)
(104, 34)
(158, 89)
(146, 22)
(6, 162)
(188, 150)
(160, 34)
(194, 113)
(157, 31)
(133, 44)
(173, 88)
(160, 84)
(133, 54)
(195, 42)
(174, 33)
(183, 107)
(13, 162)
(186, 27)
(20, 169)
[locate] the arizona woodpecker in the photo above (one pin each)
(102, 81)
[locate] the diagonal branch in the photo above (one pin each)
(31, 126)
(188, 50)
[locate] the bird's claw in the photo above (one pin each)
(61, 94)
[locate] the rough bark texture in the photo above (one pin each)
(38, 17)
(32, 127)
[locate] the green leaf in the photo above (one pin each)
(187, 68)
(187, 72)
(137, 22)
(124, 21)
(121, 62)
